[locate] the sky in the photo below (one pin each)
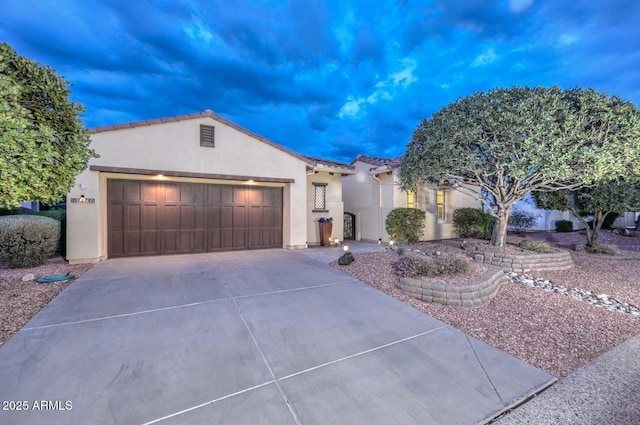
(332, 78)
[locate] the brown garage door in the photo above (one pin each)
(156, 218)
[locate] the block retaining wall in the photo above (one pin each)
(559, 260)
(479, 294)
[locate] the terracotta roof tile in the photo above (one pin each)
(329, 163)
(379, 161)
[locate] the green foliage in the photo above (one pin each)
(522, 220)
(512, 141)
(536, 245)
(421, 265)
(405, 224)
(603, 248)
(28, 240)
(603, 202)
(564, 226)
(607, 221)
(43, 143)
(472, 223)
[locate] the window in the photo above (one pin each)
(320, 197)
(412, 200)
(440, 204)
(207, 133)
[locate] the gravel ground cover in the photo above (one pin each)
(20, 301)
(551, 331)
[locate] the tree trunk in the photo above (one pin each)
(499, 233)
(598, 221)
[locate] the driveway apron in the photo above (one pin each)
(253, 337)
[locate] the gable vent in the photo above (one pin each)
(207, 136)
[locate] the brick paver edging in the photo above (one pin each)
(476, 295)
(559, 260)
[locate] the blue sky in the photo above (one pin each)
(332, 78)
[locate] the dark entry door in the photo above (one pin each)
(349, 226)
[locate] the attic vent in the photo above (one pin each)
(207, 136)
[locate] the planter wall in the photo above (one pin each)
(479, 294)
(559, 260)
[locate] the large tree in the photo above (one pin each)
(597, 202)
(43, 143)
(512, 141)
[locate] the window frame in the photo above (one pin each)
(412, 199)
(323, 188)
(441, 206)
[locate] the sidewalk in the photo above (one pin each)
(606, 391)
(328, 254)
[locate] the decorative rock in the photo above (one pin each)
(28, 277)
(599, 300)
(346, 259)
(579, 247)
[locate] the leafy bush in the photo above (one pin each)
(405, 224)
(603, 248)
(522, 220)
(607, 224)
(448, 264)
(28, 240)
(472, 223)
(410, 265)
(422, 265)
(564, 226)
(536, 246)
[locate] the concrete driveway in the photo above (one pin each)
(260, 337)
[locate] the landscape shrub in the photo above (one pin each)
(28, 240)
(421, 265)
(405, 224)
(410, 265)
(472, 223)
(536, 246)
(603, 248)
(564, 226)
(521, 220)
(607, 224)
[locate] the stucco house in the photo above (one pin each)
(374, 190)
(197, 183)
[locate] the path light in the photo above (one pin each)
(345, 248)
(379, 241)
(391, 243)
(336, 240)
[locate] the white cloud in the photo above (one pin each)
(384, 89)
(351, 108)
(485, 58)
(567, 39)
(517, 6)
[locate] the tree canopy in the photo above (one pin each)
(597, 201)
(512, 141)
(43, 143)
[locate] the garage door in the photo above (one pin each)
(157, 218)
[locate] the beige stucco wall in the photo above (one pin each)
(371, 201)
(334, 206)
(175, 146)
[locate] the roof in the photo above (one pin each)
(329, 163)
(379, 161)
(205, 114)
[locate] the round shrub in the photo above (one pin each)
(28, 240)
(472, 223)
(405, 224)
(536, 245)
(564, 226)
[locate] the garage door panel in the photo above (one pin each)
(146, 218)
(132, 191)
(149, 192)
